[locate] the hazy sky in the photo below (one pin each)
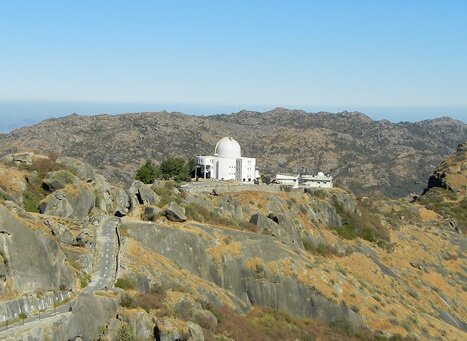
(401, 60)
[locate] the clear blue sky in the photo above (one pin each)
(398, 59)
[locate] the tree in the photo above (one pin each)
(147, 173)
(172, 168)
(176, 169)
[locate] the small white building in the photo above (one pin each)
(305, 181)
(227, 163)
(287, 180)
(316, 181)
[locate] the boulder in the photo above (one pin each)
(140, 194)
(73, 201)
(32, 257)
(82, 258)
(56, 204)
(140, 323)
(151, 213)
(59, 179)
(321, 212)
(18, 159)
(174, 212)
(81, 168)
(61, 231)
(90, 313)
(233, 206)
(277, 225)
(266, 225)
(196, 332)
(103, 192)
(85, 239)
(170, 330)
(121, 202)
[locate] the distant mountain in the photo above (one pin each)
(365, 155)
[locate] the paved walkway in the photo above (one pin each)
(103, 277)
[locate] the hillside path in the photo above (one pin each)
(103, 277)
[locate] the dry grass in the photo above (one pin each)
(263, 324)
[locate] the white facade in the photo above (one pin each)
(305, 181)
(227, 163)
(287, 180)
(316, 181)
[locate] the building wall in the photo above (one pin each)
(317, 184)
(247, 169)
(225, 168)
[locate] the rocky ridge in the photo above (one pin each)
(364, 155)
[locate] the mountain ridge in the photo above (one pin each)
(362, 154)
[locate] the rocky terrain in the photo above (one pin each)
(363, 155)
(250, 265)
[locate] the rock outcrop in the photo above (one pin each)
(140, 194)
(175, 212)
(32, 260)
(72, 201)
(59, 179)
(230, 267)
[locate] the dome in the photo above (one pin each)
(320, 174)
(228, 147)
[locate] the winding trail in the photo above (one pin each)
(103, 277)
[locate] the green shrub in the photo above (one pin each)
(84, 280)
(366, 225)
(125, 283)
(32, 197)
(125, 333)
(148, 173)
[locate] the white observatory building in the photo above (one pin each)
(227, 163)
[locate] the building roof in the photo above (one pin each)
(228, 147)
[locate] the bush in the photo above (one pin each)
(150, 300)
(125, 333)
(84, 281)
(125, 283)
(32, 197)
(127, 301)
(366, 225)
(148, 173)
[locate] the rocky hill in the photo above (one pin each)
(446, 192)
(250, 265)
(364, 155)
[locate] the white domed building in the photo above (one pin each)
(227, 163)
